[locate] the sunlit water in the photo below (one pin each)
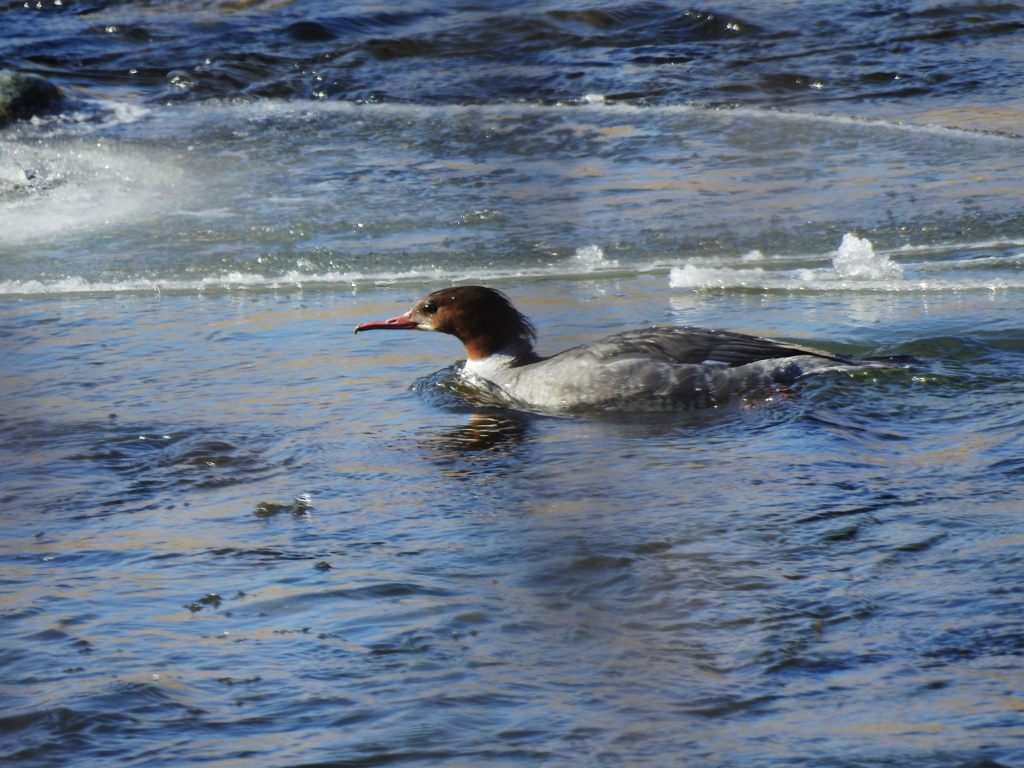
(233, 533)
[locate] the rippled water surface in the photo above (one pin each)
(232, 533)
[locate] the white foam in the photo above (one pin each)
(592, 257)
(856, 258)
(226, 282)
(855, 266)
(588, 261)
(74, 187)
(126, 113)
(14, 176)
(972, 245)
(698, 279)
(692, 276)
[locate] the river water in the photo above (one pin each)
(234, 534)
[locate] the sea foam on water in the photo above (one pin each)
(854, 261)
(856, 258)
(593, 257)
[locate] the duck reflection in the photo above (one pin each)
(485, 432)
(487, 442)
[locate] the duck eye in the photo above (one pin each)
(429, 307)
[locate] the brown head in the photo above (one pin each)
(483, 319)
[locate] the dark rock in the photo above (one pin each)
(22, 96)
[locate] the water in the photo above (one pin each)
(233, 533)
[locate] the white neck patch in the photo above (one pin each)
(491, 365)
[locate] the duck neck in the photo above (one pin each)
(484, 361)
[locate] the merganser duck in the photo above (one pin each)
(652, 369)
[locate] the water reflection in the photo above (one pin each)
(487, 441)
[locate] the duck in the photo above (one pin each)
(658, 368)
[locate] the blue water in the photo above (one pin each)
(233, 533)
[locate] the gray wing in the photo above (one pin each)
(661, 368)
(680, 345)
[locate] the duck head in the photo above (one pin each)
(483, 319)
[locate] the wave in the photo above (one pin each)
(758, 280)
(585, 263)
(599, 103)
(91, 116)
(857, 266)
(854, 266)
